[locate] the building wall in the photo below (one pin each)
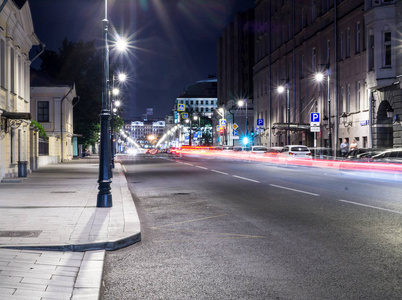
(294, 41)
(16, 39)
(59, 129)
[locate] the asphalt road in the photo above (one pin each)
(219, 229)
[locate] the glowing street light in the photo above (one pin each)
(121, 44)
(280, 90)
(319, 77)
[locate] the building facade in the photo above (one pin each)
(355, 45)
(52, 106)
(144, 132)
(16, 40)
(200, 98)
(235, 79)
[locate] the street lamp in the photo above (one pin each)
(104, 198)
(121, 77)
(280, 90)
(242, 103)
(319, 77)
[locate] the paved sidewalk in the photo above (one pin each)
(54, 208)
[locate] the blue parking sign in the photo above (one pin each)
(315, 117)
(260, 122)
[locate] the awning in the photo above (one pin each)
(291, 126)
(16, 115)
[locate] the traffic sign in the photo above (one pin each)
(314, 119)
(184, 115)
(314, 128)
(260, 122)
(222, 122)
(234, 132)
(181, 107)
(235, 126)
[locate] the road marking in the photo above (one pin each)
(188, 164)
(294, 190)
(246, 178)
(370, 206)
(201, 167)
(190, 221)
(211, 233)
(219, 172)
(124, 168)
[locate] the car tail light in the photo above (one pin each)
(309, 153)
(290, 153)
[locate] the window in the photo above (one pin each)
(313, 11)
(371, 53)
(302, 67)
(3, 63)
(358, 95)
(43, 111)
(328, 52)
(313, 60)
(347, 43)
(12, 70)
(387, 49)
(341, 47)
(303, 18)
(357, 37)
(347, 107)
(341, 101)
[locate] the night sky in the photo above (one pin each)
(172, 42)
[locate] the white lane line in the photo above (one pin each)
(294, 190)
(188, 164)
(246, 178)
(370, 206)
(201, 167)
(219, 172)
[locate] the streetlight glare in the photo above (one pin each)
(281, 89)
(319, 77)
(116, 91)
(117, 103)
(122, 77)
(121, 44)
(240, 103)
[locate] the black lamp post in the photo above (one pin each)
(104, 181)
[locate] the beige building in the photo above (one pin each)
(17, 37)
(52, 106)
(355, 44)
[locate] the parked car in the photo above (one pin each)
(241, 149)
(227, 148)
(258, 149)
(298, 151)
(388, 156)
(273, 151)
(362, 154)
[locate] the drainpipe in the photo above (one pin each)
(61, 122)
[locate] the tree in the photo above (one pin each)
(81, 63)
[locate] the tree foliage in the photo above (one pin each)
(81, 63)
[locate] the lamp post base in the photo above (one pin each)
(104, 197)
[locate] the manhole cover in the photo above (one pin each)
(20, 233)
